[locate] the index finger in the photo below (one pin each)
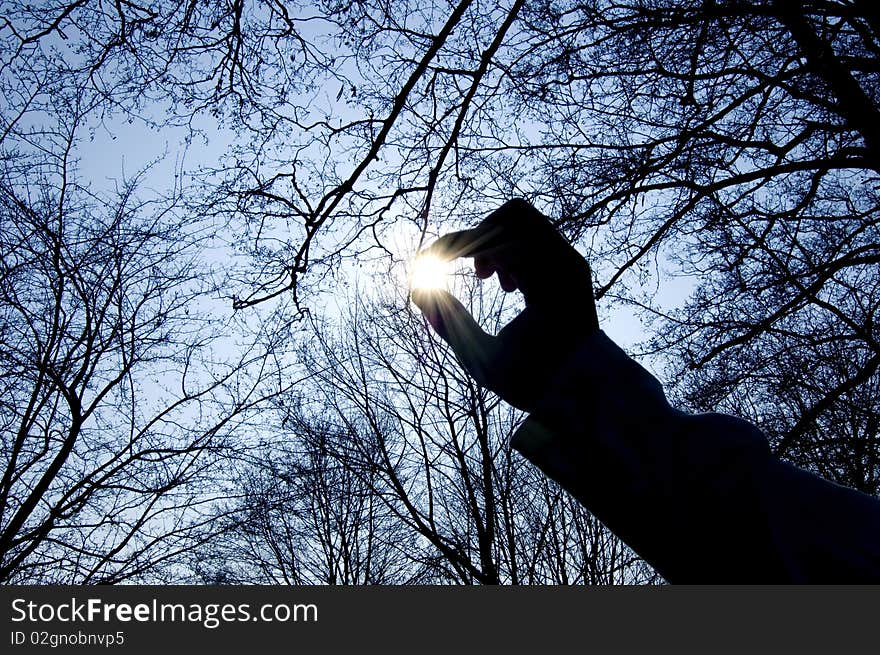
(467, 243)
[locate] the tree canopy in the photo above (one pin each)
(157, 326)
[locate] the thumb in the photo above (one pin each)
(452, 321)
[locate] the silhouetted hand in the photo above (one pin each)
(521, 245)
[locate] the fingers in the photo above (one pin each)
(483, 268)
(449, 318)
(508, 226)
(467, 243)
(507, 281)
(521, 245)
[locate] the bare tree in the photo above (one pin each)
(302, 516)
(724, 145)
(116, 399)
(396, 466)
(730, 143)
(745, 158)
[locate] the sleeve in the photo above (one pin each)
(699, 496)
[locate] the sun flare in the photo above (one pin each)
(429, 272)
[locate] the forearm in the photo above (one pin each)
(700, 497)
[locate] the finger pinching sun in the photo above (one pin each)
(429, 272)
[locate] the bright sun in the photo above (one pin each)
(429, 272)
